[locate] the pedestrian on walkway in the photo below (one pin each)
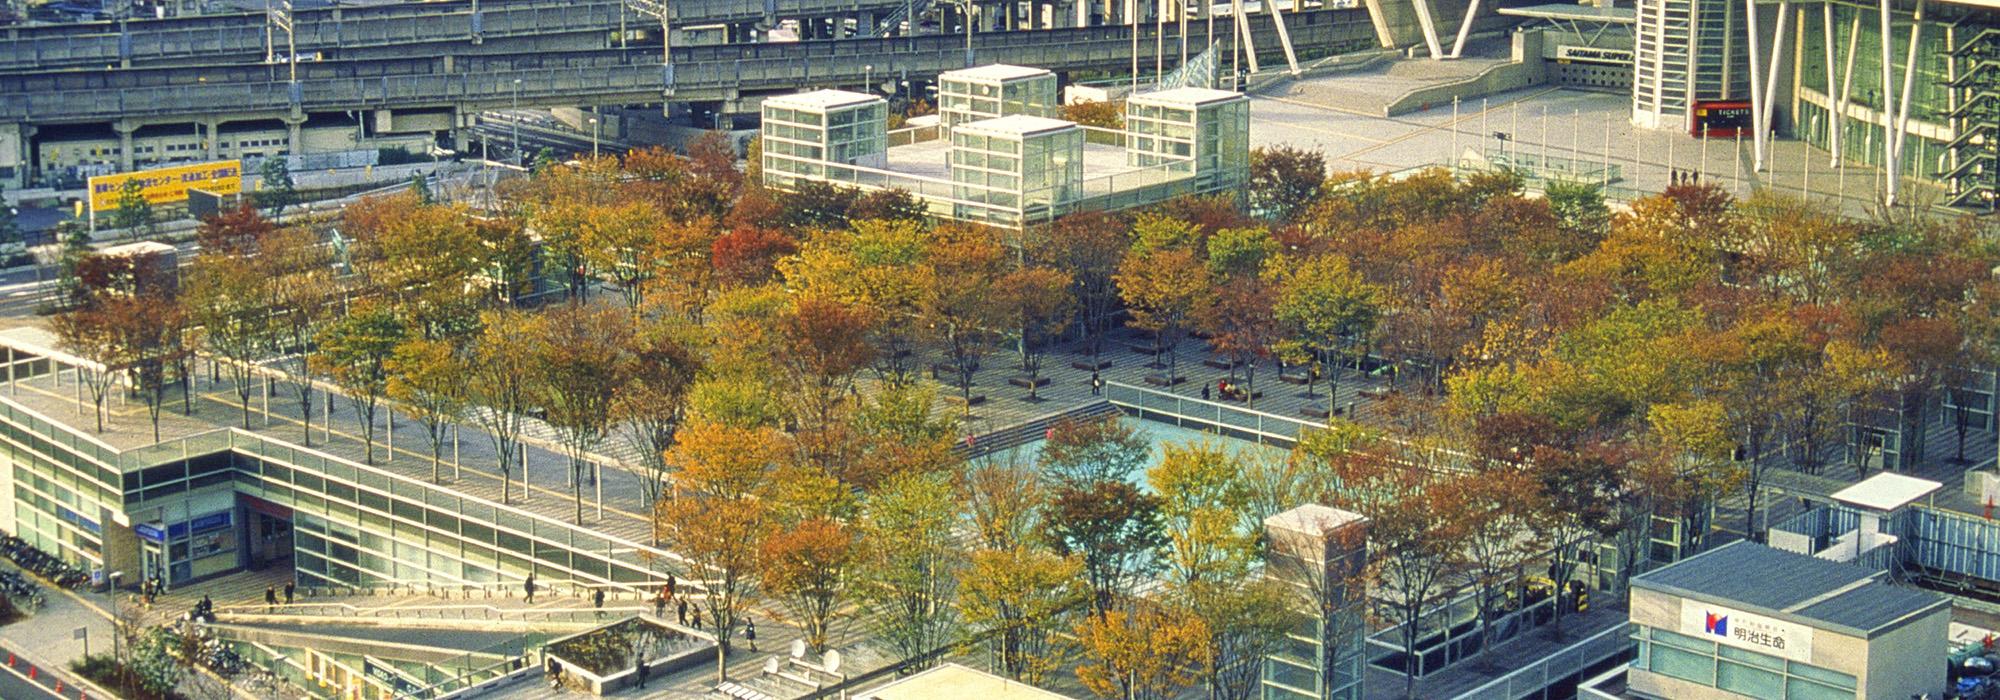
(1204, 391)
(672, 583)
(682, 610)
(270, 599)
(640, 666)
(1096, 383)
(750, 633)
(660, 604)
(697, 619)
(597, 601)
(555, 673)
(529, 586)
(206, 609)
(290, 587)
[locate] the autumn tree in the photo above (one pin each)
(428, 378)
(1113, 527)
(879, 266)
(825, 344)
(720, 516)
(1284, 180)
(222, 296)
(1038, 299)
(1003, 495)
(577, 357)
(1090, 247)
(806, 567)
(1164, 288)
(499, 386)
(912, 563)
(1497, 505)
(651, 404)
(1149, 651)
(301, 295)
(1242, 324)
(1080, 452)
(1022, 595)
(963, 305)
(1328, 309)
(355, 351)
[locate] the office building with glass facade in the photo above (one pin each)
(1715, 626)
(996, 90)
(1909, 85)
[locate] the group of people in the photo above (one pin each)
(271, 595)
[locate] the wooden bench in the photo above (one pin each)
(1089, 366)
(1146, 348)
(1221, 362)
(1161, 380)
(972, 400)
(1377, 394)
(1027, 383)
(1313, 410)
(1298, 379)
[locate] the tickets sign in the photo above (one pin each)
(168, 185)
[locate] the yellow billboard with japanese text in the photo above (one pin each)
(168, 185)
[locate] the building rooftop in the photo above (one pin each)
(1312, 519)
(1188, 96)
(1886, 491)
(955, 681)
(1813, 591)
(1575, 12)
(1016, 125)
(994, 73)
(821, 100)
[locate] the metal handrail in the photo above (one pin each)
(1493, 687)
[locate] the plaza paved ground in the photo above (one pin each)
(1334, 116)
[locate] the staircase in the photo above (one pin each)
(1034, 429)
(1975, 173)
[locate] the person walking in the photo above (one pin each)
(529, 586)
(597, 601)
(750, 633)
(660, 604)
(1096, 383)
(640, 667)
(681, 610)
(270, 599)
(290, 587)
(697, 619)
(671, 584)
(1204, 391)
(555, 673)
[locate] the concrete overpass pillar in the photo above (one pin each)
(124, 127)
(295, 135)
(214, 142)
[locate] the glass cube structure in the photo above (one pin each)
(808, 136)
(992, 91)
(1011, 169)
(1210, 128)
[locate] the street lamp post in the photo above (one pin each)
(515, 120)
(868, 77)
(115, 620)
(593, 137)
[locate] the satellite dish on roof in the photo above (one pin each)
(798, 648)
(832, 660)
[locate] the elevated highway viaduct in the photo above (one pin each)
(393, 31)
(445, 91)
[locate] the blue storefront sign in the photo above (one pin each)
(212, 521)
(150, 532)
